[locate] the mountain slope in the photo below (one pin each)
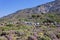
(50, 7)
(37, 23)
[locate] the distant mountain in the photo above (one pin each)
(50, 7)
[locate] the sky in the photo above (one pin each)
(11, 6)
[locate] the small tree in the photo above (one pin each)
(10, 25)
(35, 17)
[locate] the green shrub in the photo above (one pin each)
(44, 38)
(10, 25)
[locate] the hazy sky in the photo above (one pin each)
(10, 6)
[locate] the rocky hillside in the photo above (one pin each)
(53, 6)
(38, 23)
